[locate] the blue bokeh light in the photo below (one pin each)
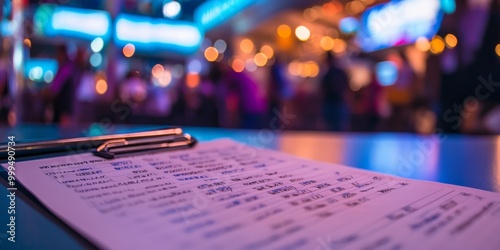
(387, 73)
(448, 6)
(96, 59)
(348, 25)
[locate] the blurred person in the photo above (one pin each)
(304, 107)
(424, 118)
(334, 92)
(158, 105)
(367, 107)
(209, 111)
(179, 104)
(250, 100)
(133, 92)
(401, 94)
(61, 92)
(278, 88)
(85, 93)
(197, 104)
(217, 74)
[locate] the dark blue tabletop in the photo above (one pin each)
(472, 161)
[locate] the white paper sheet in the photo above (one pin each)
(224, 195)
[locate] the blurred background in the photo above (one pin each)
(421, 66)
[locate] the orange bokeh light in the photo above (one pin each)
(211, 54)
(238, 65)
(101, 86)
(260, 59)
(284, 31)
(246, 45)
(192, 80)
(128, 50)
(157, 70)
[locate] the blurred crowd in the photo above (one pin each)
(223, 97)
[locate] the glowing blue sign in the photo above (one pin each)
(150, 34)
(40, 69)
(86, 24)
(6, 26)
(215, 12)
(399, 22)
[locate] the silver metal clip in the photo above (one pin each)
(110, 149)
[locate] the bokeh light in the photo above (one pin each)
(165, 78)
(437, 45)
(35, 73)
(368, 2)
(422, 44)
(326, 43)
(348, 25)
(293, 68)
(17, 57)
(128, 50)
(246, 45)
(386, 72)
(302, 33)
(332, 33)
(101, 86)
(284, 31)
(211, 54)
(312, 14)
(95, 59)
(268, 51)
(308, 69)
(497, 49)
(238, 65)
(354, 7)
(338, 5)
(448, 6)
(27, 42)
(48, 76)
(339, 45)
(250, 65)
(192, 80)
(451, 41)
(171, 9)
(220, 45)
(97, 45)
(361, 76)
(303, 69)
(314, 69)
(332, 8)
(260, 59)
(194, 66)
(157, 70)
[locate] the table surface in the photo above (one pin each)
(472, 161)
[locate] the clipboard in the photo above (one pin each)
(108, 146)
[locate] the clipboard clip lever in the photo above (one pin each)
(112, 148)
